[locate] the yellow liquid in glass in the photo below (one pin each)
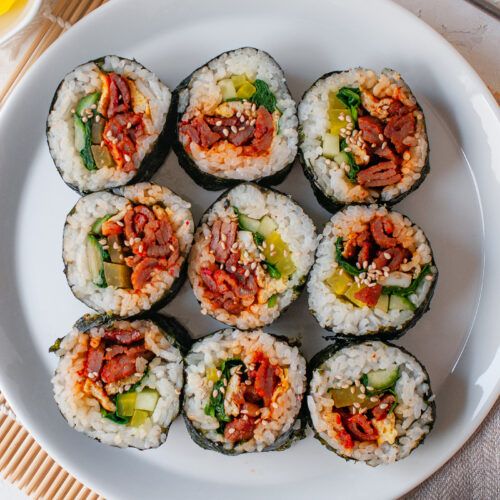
(6, 5)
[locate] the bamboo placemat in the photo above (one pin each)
(55, 17)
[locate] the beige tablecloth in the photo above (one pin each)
(473, 473)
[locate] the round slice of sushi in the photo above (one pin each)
(362, 138)
(244, 392)
(374, 273)
(107, 124)
(251, 255)
(369, 401)
(125, 253)
(236, 121)
(120, 381)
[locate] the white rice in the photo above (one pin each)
(296, 229)
(414, 414)
(204, 95)
(82, 412)
(340, 316)
(84, 80)
(122, 302)
(211, 351)
(313, 118)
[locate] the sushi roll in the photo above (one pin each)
(107, 124)
(120, 381)
(369, 401)
(374, 273)
(362, 138)
(244, 392)
(236, 121)
(251, 255)
(126, 252)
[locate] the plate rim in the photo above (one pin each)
(486, 407)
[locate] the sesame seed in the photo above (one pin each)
(383, 406)
(225, 132)
(406, 156)
(381, 137)
(218, 123)
(247, 273)
(353, 389)
(387, 255)
(343, 130)
(253, 265)
(347, 150)
(361, 396)
(252, 123)
(129, 125)
(103, 241)
(238, 114)
(254, 107)
(231, 430)
(370, 388)
(84, 119)
(241, 128)
(234, 129)
(223, 237)
(341, 117)
(262, 256)
(358, 265)
(97, 119)
(373, 399)
(120, 223)
(429, 277)
(356, 405)
(171, 248)
(233, 269)
(365, 264)
(222, 245)
(357, 383)
(242, 119)
(127, 157)
(214, 393)
(73, 111)
(348, 119)
(222, 390)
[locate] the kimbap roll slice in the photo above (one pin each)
(369, 401)
(107, 124)
(374, 273)
(236, 121)
(126, 252)
(244, 392)
(362, 138)
(251, 255)
(120, 381)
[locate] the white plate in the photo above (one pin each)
(457, 206)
